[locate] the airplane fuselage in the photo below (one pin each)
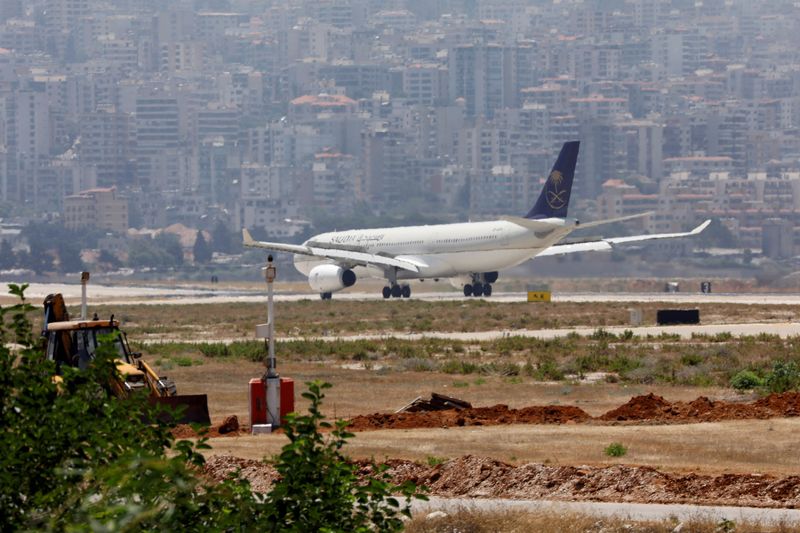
(443, 250)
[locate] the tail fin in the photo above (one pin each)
(554, 199)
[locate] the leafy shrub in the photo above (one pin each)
(453, 366)
(319, 489)
(615, 449)
(546, 369)
(785, 376)
(602, 334)
(745, 380)
(181, 360)
(691, 359)
(622, 364)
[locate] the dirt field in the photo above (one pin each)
(483, 477)
(668, 459)
(696, 444)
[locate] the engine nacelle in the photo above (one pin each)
(330, 278)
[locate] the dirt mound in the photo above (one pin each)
(476, 416)
(483, 477)
(786, 404)
(638, 408)
(646, 409)
(229, 427)
(471, 476)
(652, 408)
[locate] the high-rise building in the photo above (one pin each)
(107, 142)
(62, 18)
(157, 135)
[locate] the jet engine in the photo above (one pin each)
(330, 278)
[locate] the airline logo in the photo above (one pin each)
(555, 197)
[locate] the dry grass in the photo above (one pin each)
(709, 448)
(514, 521)
(338, 317)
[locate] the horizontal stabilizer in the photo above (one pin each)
(247, 240)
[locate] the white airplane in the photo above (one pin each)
(468, 254)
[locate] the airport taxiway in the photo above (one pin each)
(184, 294)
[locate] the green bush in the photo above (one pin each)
(691, 359)
(785, 376)
(319, 489)
(615, 449)
(746, 379)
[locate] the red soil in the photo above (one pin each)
(482, 477)
(643, 409)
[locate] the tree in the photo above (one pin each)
(38, 259)
(222, 239)
(109, 259)
(69, 256)
(171, 246)
(161, 252)
(201, 251)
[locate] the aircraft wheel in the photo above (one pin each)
(467, 290)
(406, 291)
(487, 289)
(397, 291)
(477, 290)
(326, 295)
(387, 292)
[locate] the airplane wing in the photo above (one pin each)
(604, 245)
(347, 256)
(612, 220)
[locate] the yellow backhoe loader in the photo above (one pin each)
(74, 343)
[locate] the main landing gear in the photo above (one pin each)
(397, 291)
(326, 295)
(478, 289)
(481, 284)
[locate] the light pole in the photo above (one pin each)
(269, 273)
(272, 379)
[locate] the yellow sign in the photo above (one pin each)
(538, 296)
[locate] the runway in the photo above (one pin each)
(187, 295)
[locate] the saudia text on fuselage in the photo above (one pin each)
(357, 238)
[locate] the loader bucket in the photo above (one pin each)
(188, 408)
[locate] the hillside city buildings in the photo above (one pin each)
(265, 113)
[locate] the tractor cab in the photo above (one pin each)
(74, 343)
